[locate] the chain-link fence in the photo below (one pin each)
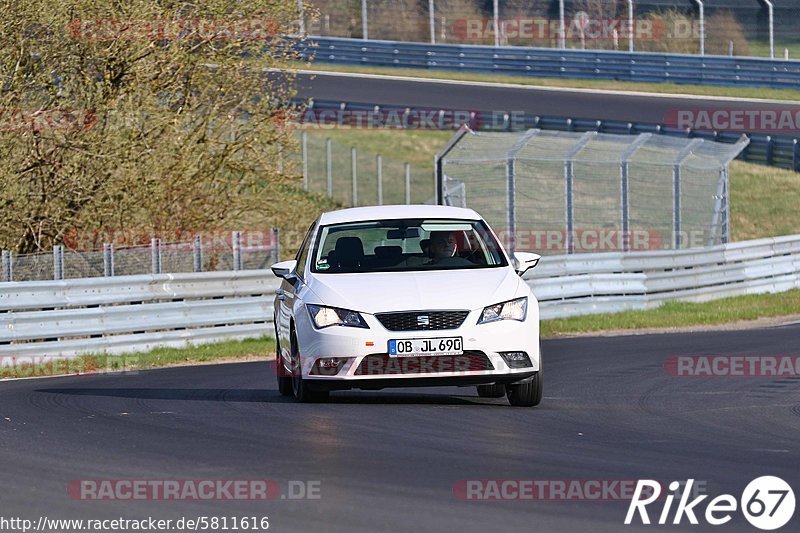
(727, 27)
(209, 252)
(356, 177)
(566, 192)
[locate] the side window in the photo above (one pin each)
(302, 253)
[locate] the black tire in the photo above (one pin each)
(302, 392)
(496, 390)
(284, 382)
(526, 394)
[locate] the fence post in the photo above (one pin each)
(770, 149)
(364, 21)
(630, 25)
(379, 162)
(726, 234)
(570, 211)
(304, 143)
(511, 204)
(676, 206)
(408, 183)
(354, 174)
(197, 253)
(108, 259)
(58, 262)
(676, 190)
(795, 155)
(329, 167)
(624, 187)
(8, 266)
(431, 21)
(236, 244)
(569, 178)
(511, 188)
(155, 254)
(277, 236)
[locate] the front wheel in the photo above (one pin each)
(526, 394)
(302, 392)
(284, 382)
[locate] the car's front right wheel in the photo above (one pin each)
(526, 394)
(300, 388)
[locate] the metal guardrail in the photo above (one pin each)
(770, 150)
(546, 62)
(133, 313)
(137, 313)
(612, 282)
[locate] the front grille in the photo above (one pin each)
(415, 320)
(381, 364)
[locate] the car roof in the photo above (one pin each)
(382, 212)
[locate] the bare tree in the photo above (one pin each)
(145, 112)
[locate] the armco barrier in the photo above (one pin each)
(770, 150)
(569, 285)
(137, 313)
(133, 313)
(551, 63)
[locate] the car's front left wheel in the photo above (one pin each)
(300, 388)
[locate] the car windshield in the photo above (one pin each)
(405, 245)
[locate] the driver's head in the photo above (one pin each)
(443, 244)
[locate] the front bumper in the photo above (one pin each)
(418, 381)
(363, 361)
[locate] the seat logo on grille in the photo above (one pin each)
(423, 320)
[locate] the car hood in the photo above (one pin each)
(406, 291)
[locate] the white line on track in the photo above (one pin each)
(387, 77)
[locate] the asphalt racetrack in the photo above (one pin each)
(585, 104)
(389, 460)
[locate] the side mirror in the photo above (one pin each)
(524, 261)
(285, 270)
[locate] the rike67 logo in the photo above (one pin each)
(767, 503)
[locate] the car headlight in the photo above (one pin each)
(511, 310)
(322, 317)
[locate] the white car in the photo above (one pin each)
(407, 295)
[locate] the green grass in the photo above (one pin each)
(675, 314)
(764, 201)
(417, 147)
(262, 348)
(761, 49)
(667, 88)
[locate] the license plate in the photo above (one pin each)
(436, 346)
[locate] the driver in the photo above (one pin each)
(444, 245)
